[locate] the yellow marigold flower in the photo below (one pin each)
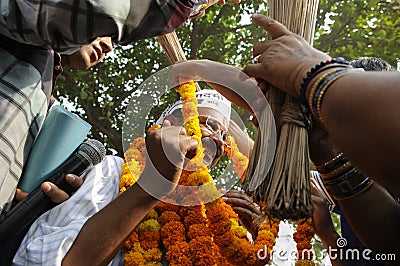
(239, 231)
(208, 193)
(240, 161)
(153, 263)
(153, 254)
(199, 178)
(152, 215)
(137, 247)
(149, 225)
(134, 259)
(305, 263)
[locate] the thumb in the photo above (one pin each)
(274, 28)
(188, 147)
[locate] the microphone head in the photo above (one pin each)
(93, 151)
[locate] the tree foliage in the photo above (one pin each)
(357, 28)
(344, 28)
(101, 94)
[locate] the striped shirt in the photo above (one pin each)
(66, 24)
(23, 106)
(53, 233)
(63, 25)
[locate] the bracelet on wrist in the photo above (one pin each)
(350, 187)
(332, 164)
(322, 85)
(324, 65)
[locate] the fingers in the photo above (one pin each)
(255, 70)
(20, 194)
(274, 28)
(260, 48)
(74, 181)
(240, 200)
(188, 147)
(54, 193)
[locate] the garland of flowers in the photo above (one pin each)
(227, 232)
(240, 162)
(203, 233)
(303, 235)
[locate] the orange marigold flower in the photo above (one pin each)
(216, 214)
(173, 228)
(265, 237)
(149, 244)
(220, 227)
(177, 250)
(163, 206)
(197, 230)
(133, 238)
(201, 246)
(168, 216)
(225, 240)
(149, 236)
(182, 261)
(193, 217)
(173, 239)
(153, 127)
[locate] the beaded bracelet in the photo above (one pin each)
(321, 85)
(334, 62)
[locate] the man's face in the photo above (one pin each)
(90, 54)
(214, 133)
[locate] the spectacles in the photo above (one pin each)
(198, 7)
(219, 132)
(215, 141)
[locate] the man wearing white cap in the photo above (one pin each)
(55, 235)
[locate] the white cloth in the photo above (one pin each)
(52, 234)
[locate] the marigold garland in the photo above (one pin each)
(303, 235)
(196, 233)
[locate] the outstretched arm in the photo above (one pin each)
(360, 111)
(104, 233)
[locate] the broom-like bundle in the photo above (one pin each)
(173, 49)
(285, 189)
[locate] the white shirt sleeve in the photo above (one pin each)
(53, 233)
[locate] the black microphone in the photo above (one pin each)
(15, 224)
